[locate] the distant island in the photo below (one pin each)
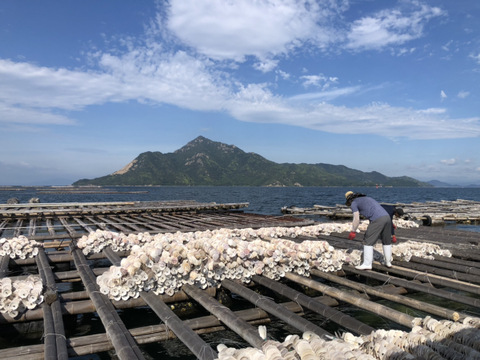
(206, 162)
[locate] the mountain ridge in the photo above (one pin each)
(206, 162)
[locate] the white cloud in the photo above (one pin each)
(443, 96)
(449, 162)
(231, 30)
(320, 81)
(390, 27)
(463, 94)
(476, 57)
(432, 111)
(182, 80)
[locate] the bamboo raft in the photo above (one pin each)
(428, 213)
(388, 294)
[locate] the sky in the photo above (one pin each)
(387, 86)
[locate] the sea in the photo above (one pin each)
(261, 200)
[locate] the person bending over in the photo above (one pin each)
(379, 227)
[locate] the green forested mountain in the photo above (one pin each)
(206, 162)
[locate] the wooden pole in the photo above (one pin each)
(124, 344)
(394, 315)
(431, 278)
(419, 305)
(442, 272)
(194, 342)
(90, 344)
(275, 309)
(414, 286)
(52, 308)
(225, 315)
(473, 270)
(336, 316)
(4, 260)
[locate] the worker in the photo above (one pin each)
(393, 212)
(379, 227)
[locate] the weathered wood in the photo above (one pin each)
(55, 340)
(198, 347)
(336, 316)
(442, 272)
(90, 344)
(124, 344)
(430, 278)
(419, 305)
(394, 315)
(225, 315)
(275, 309)
(4, 260)
(429, 213)
(414, 286)
(447, 265)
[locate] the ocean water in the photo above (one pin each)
(262, 200)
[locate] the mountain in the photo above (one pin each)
(206, 162)
(438, 183)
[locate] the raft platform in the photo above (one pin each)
(428, 213)
(450, 286)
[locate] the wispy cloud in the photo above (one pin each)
(391, 27)
(449, 162)
(463, 94)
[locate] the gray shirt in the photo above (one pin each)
(367, 207)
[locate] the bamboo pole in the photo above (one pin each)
(52, 310)
(336, 316)
(391, 314)
(4, 260)
(275, 309)
(473, 270)
(124, 344)
(430, 278)
(455, 260)
(198, 347)
(414, 286)
(442, 272)
(89, 344)
(225, 315)
(86, 306)
(419, 305)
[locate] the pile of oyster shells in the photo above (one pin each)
(19, 295)
(405, 250)
(19, 247)
(163, 263)
(428, 339)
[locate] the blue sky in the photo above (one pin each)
(388, 86)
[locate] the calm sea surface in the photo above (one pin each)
(262, 200)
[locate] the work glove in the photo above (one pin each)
(394, 239)
(352, 235)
